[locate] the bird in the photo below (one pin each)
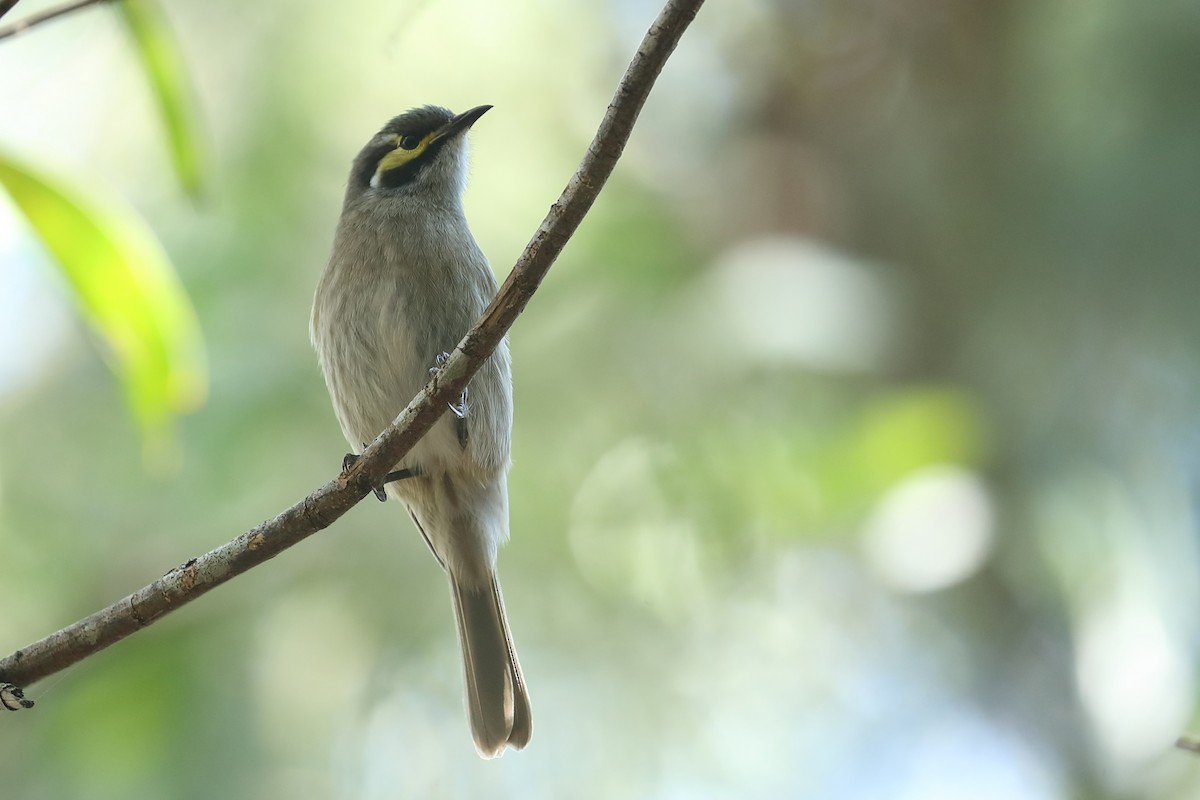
(404, 282)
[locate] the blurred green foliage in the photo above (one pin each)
(127, 290)
(156, 47)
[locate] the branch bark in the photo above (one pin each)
(45, 16)
(329, 502)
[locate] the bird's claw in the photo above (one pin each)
(459, 408)
(350, 459)
(12, 698)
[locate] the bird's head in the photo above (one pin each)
(422, 150)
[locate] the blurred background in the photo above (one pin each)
(856, 447)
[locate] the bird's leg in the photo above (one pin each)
(397, 475)
(403, 474)
(459, 408)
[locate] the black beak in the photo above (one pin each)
(460, 124)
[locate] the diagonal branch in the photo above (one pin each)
(7, 6)
(321, 508)
(44, 16)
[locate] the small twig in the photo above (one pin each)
(1188, 743)
(7, 6)
(319, 510)
(44, 16)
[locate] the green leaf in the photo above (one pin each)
(127, 290)
(159, 53)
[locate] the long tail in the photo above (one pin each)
(497, 702)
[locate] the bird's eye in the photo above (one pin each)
(410, 142)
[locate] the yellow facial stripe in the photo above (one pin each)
(399, 157)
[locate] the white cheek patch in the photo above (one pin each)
(375, 179)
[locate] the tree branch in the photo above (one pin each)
(44, 16)
(325, 505)
(7, 6)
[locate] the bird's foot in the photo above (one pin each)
(459, 408)
(12, 698)
(350, 459)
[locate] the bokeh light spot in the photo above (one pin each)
(930, 531)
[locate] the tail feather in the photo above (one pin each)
(522, 725)
(497, 702)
